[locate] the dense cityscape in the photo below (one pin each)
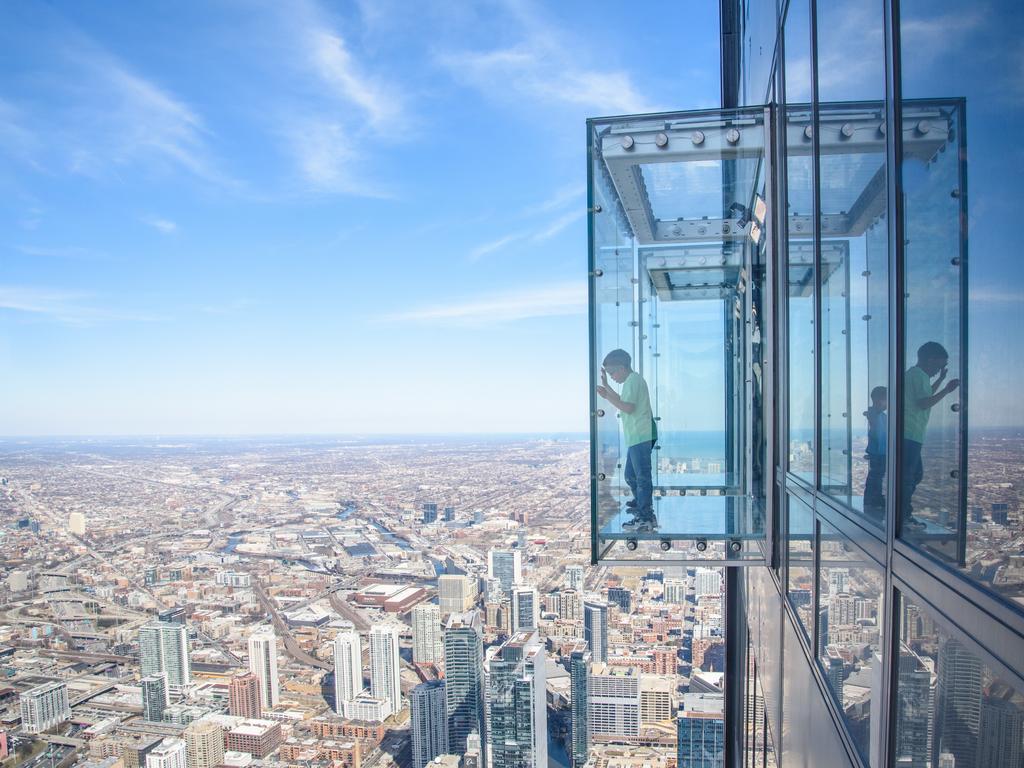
(347, 603)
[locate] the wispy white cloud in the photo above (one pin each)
(336, 66)
(494, 245)
(65, 307)
(556, 300)
(327, 162)
(546, 67)
(59, 252)
(556, 226)
(561, 197)
(165, 226)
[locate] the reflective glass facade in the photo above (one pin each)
(818, 285)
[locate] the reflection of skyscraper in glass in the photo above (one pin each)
(263, 664)
(915, 702)
(516, 723)
(505, 565)
(579, 671)
(1001, 738)
(463, 662)
(428, 722)
(700, 731)
(595, 628)
(958, 705)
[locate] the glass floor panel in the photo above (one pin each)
(711, 518)
(682, 481)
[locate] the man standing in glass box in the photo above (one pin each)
(638, 428)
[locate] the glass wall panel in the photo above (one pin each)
(851, 591)
(800, 560)
(952, 709)
(854, 254)
(612, 316)
(759, 23)
(799, 242)
(964, 445)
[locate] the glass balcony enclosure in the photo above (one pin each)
(683, 278)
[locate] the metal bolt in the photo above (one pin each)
(601, 476)
(847, 130)
(627, 142)
(808, 131)
(732, 135)
(599, 412)
(923, 127)
(661, 140)
(697, 137)
(598, 272)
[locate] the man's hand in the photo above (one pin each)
(951, 385)
(603, 392)
(604, 378)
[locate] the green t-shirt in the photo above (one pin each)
(638, 426)
(917, 385)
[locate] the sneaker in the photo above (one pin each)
(913, 524)
(648, 524)
(631, 504)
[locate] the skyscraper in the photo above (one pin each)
(525, 608)
(621, 597)
(429, 512)
(244, 696)
(505, 565)
(263, 664)
(463, 662)
(707, 581)
(456, 593)
(449, 514)
(574, 577)
(579, 673)
(613, 702)
(348, 670)
(595, 628)
(163, 647)
(701, 731)
(914, 713)
(204, 744)
(385, 682)
(958, 703)
(45, 706)
(428, 722)
(516, 724)
(154, 697)
(427, 647)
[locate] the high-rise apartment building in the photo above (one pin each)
(45, 706)
(835, 251)
(244, 696)
(76, 523)
(574, 577)
(427, 646)
(385, 666)
(204, 744)
(348, 670)
(505, 565)
(700, 731)
(579, 733)
(621, 597)
(570, 605)
(674, 591)
(525, 608)
(463, 663)
(155, 697)
(263, 664)
(169, 753)
(595, 628)
(516, 711)
(613, 703)
(707, 581)
(163, 648)
(429, 512)
(428, 722)
(456, 593)
(449, 514)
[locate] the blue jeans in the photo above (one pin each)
(913, 473)
(638, 476)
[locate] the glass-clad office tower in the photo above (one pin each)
(819, 288)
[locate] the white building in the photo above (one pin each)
(169, 753)
(204, 741)
(369, 708)
(427, 647)
(613, 701)
(348, 671)
(456, 593)
(44, 707)
(385, 680)
(263, 664)
(708, 581)
(574, 577)
(76, 523)
(675, 591)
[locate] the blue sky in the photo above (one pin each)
(228, 217)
